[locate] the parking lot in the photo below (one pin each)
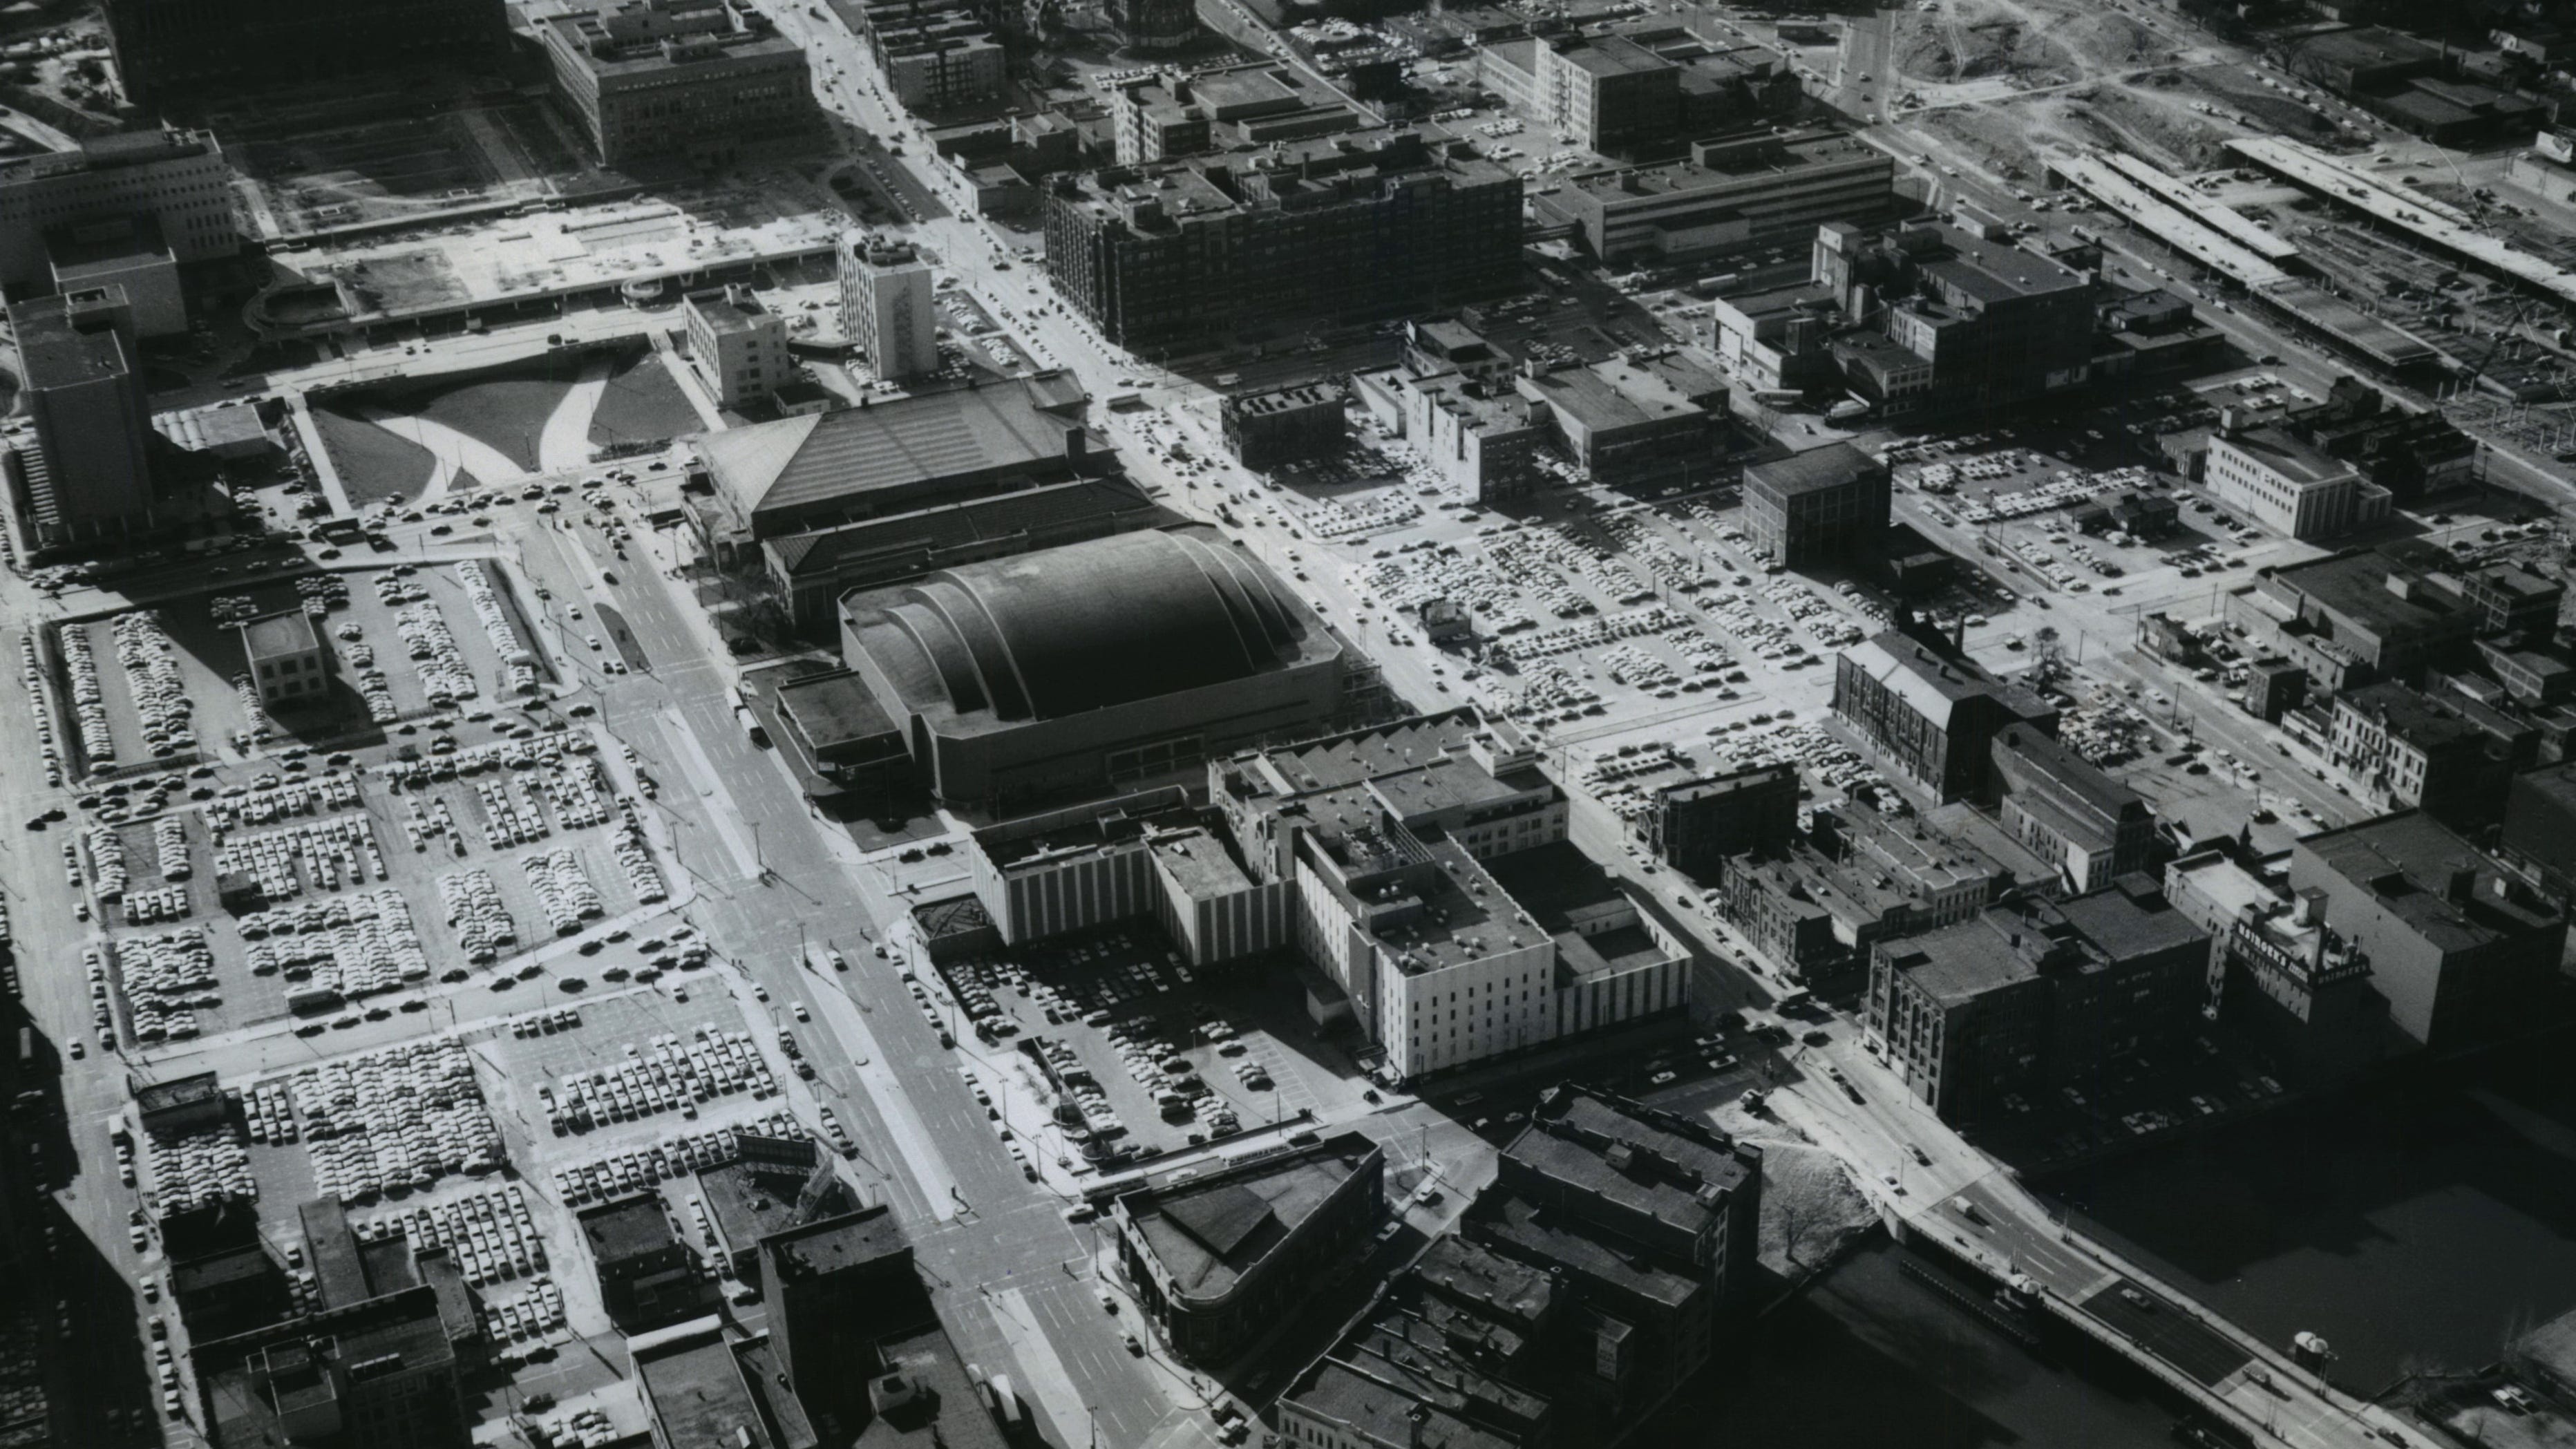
(339, 893)
(1156, 1056)
(173, 683)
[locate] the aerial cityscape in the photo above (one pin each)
(1497, 724)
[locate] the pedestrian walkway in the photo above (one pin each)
(564, 446)
(326, 472)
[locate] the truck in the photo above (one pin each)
(1004, 1402)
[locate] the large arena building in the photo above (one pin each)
(1098, 663)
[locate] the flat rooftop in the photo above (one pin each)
(1960, 962)
(1201, 863)
(276, 636)
(2405, 862)
(700, 1399)
(1617, 393)
(64, 341)
(1817, 470)
(835, 709)
(2130, 920)
(729, 309)
(628, 1228)
(950, 1415)
(2286, 453)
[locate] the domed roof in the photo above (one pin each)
(1091, 625)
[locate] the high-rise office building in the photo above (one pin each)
(177, 178)
(739, 346)
(171, 51)
(685, 80)
(887, 305)
(88, 475)
(1370, 224)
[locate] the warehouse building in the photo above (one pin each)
(1929, 717)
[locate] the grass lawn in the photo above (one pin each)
(372, 462)
(642, 404)
(506, 408)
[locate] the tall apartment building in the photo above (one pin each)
(1821, 504)
(1374, 224)
(936, 55)
(1997, 324)
(171, 52)
(1930, 718)
(837, 1287)
(737, 345)
(1730, 194)
(677, 80)
(889, 305)
(2287, 484)
(81, 383)
(177, 178)
(2031, 996)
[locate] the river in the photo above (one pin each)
(2417, 1224)
(1868, 1356)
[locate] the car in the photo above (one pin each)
(802, 1014)
(759, 991)
(1662, 1078)
(2136, 1299)
(1135, 1346)
(1108, 1300)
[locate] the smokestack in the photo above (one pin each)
(2229, 420)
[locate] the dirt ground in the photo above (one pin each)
(1808, 1197)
